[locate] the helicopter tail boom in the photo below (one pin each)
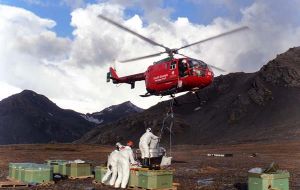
(131, 79)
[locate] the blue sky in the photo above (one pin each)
(80, 61)
(200, 12)
(203, 12)
(54, 10)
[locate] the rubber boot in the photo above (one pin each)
(149, 162)
(143, 163)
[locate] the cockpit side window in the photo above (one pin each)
(191, 63)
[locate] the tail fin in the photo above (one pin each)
(112, 75)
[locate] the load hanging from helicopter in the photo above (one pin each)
(170, 75)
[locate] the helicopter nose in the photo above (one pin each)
(209, 72)
(209, 75)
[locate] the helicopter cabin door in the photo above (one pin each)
(183, 68)
(183, 72)
(164, 76)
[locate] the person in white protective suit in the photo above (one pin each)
(124, 160)
(144, 146)
(112, 168)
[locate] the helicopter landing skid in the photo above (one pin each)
(146, 95)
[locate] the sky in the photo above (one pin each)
(59, 48)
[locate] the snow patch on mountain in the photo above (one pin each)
(92, 119)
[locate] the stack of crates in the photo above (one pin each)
(155, 179)
(62, 168)
(56, 165)
(264, 181)
(12, 167)
(15, 170)
(79, 170)
(134, 178)
(36, 174)
(142, 178)
(11, 170)
(99, 173)
(30, 173)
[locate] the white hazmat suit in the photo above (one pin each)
(145, 143)
(124, 160)
(112, 167)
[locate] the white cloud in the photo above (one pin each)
(7, 90)
(72, 72)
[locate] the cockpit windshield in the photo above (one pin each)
(192, 67)
(197, 67)
(193, 63)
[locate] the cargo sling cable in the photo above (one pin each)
(170, 114)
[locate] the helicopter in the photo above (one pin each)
(170, 75)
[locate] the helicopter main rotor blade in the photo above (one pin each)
(131, 31)
(217, 36)
(217, 68)
(143, 57)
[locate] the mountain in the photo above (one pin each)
(113, 113)
(29, 117)
(238, 107)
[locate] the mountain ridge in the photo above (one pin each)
(237, 107)
(113, 113)
(28, 117)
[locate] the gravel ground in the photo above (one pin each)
(193, 168)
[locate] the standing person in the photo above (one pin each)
(112, 169)
(144, 146)
(129, 147)
(124, 160)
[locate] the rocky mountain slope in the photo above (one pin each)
(29, 117)
(238, 107)
(113, 113)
